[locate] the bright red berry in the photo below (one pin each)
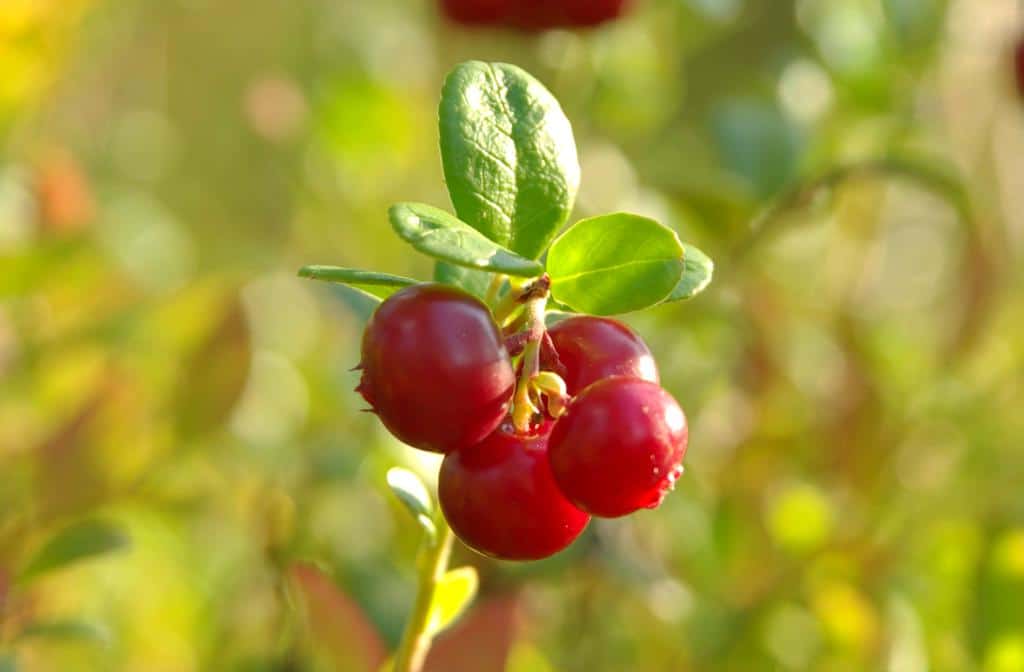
(594, 348)
(500, 497)
(435, 368)
(620, 447)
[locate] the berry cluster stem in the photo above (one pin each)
(536, 299)
(433, 564)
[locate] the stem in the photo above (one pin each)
(522, 408)
(417, 638)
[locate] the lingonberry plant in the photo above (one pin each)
(534, 14)
(544, 418)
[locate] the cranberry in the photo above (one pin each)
(435, 368)
(620, 447)
(500, 497)
(593, 348)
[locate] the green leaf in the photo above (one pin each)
(381, 285)
(615, 264)
(413, 494)
(508, 154)
(8, 663)
(444, 236)
(473, 281)
(68, 629)
(697, 272)
(74, 543)
(454, 592)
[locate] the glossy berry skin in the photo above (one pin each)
(435, 368)
(500, 498)
(594, 348)
(619, 448)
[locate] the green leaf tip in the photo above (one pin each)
(412, 493)
(443, 236)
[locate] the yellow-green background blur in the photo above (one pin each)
(854, 379)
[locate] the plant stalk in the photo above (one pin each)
(433, 563)
(522, 406)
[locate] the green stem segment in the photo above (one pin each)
(433, 564)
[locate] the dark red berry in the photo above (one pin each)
(500, 498)
(593, 348)
(534, 14)
(477, 12)
(435, 368)
(593, 12)
(620, 447)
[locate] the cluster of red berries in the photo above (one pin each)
(534, 14)
(436, 370)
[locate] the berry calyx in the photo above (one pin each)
(619, 448)
(594, 348)
(501, 500)
(435, 368)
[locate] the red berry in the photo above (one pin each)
(594, 348)
(477, 12)
(592, 12)
(536, 14)
(435, 368)
(500, 498)
(620, 447)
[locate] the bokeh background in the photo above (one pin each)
(171, 394)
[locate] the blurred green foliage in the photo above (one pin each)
(853, 497)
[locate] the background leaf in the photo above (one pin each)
(413, 494)
(215, 374)
(454, 592)
(615, 264)
(381, 285)
(67, 629)
(74, 543)
(509, 155)
(443, 236)
(473, 281)
(698, 270)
